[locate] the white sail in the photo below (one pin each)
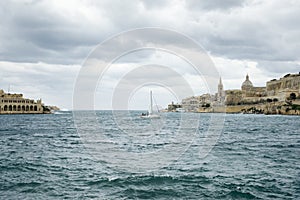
(150, 114)
(151, 104)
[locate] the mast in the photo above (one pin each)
(151, 107)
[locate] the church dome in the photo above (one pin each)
(247, 84)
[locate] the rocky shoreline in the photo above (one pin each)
(277, 108)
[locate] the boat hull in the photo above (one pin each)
(150, 117)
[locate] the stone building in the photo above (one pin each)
(220, 96)
(248, 90)
(233, 97)
(191, 104)
(16, 104)
(247, 84)
(174, 107)
(284, 87)
(278, 90)
(285, 90)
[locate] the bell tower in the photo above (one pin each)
(221, 93)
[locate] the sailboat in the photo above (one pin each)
(149, 114)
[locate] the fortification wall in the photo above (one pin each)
(290, 82)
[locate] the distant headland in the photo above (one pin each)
(17, 104)
(277, 97)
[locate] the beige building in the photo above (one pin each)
(220, 95)
(248, 90)
(16, 104)
(284, 87)
(233, 97)
(191, 104)
(275, 89)
(285, 90)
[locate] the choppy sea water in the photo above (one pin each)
(43, 157)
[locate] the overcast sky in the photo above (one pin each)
(43, 44)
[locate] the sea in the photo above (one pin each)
(110, 155)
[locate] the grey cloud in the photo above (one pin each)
(213, 4)
(254, 33)
(155, 4)
(266, 32)
(51, 82)
(278, 68)
(32, 32)
(141, 38)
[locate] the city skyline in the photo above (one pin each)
(44, 44)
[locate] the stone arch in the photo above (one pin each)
(5, 107)
(31, 108)
(14, 108)
(23, 108)
(10, 108)
(27, 108)
(35, 108)
(19, 108)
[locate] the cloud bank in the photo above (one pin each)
(43, 43)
